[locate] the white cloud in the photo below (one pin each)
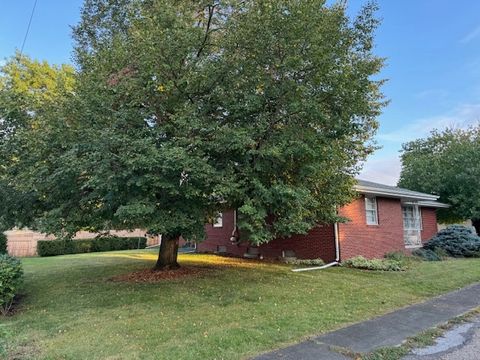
(461, 117)
(385, 170)
(472, 35)
(385, 165)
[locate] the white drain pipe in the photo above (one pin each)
(316, 267)
(337, 254)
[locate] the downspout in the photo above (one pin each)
(337, 242)
(337, 254)
(234, 239)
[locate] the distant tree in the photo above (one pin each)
(31, 93)
(446, 163)
(183, 109)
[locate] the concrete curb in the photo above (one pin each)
(384, 331)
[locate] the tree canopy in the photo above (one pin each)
(446, 163)
(31, 94)
(185, 108)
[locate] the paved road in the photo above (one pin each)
(384, 331)
(460, 343)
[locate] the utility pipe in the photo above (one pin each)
(316, 267)
(337, 254)
(234, 239)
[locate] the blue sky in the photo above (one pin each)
(433, 63)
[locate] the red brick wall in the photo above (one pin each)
(429, 223)
(220, 236)
(372, 241)
(355, 237)
(318, 243)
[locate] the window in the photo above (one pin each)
(371, 210)
(218, 221)
(412, 225)
(411, 218)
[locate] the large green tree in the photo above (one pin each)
(185, 108)
(446, 163)
(31, 93)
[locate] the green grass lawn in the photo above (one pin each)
(71, 310)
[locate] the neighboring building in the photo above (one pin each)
(382, 219)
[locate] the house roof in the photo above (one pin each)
(434, 204)
(373, 188)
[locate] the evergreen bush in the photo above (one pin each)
(456, 241)
(426, 255)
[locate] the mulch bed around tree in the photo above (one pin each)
(148, 275)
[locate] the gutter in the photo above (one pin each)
(395, 193)
(433, 204)
(337, 255)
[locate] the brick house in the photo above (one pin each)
(382, 219)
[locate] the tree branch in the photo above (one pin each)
(211, 10)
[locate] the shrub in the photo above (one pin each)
(308, 262)
(61, 247)
(401, 257)
(104, 244)
(359, 262)
(426, 255)
(82, 246)
(456, 241)
(10, 279)
(397, 256)
(3, 243)
(441, 253)
(50, 247)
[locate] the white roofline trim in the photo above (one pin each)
(433, 204)
(394, 193)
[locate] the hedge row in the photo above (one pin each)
(3, 243)
(359, 262)
(61, 247)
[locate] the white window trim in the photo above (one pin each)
(375, 209)
(218, 223)
(416, 216)
(420, 218)
(413, 246)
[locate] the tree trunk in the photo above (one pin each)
(476, 225)
(167, 257)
